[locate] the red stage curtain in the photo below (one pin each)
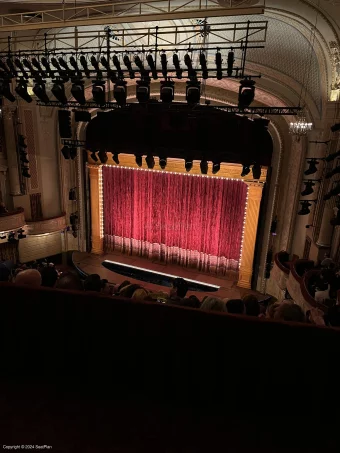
(179, 218)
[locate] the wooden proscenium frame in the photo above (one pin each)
(177, 165)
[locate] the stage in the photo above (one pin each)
(92, 264)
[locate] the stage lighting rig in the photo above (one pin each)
(305, 205)
(151, 63)
(312, 167)
(29, 66)
(167, 94)
(150, 161)
(115, 158)
(218, 62)
(143, 90)
(5, 90)
(188, 63)
(103, 156)
(177, 65)
(118, 67)
(139, 160)
(74, 64)
(245, 171)
(216, 167)
(106, 64)
(20, 66)
(246, 93)
(58, 91)
(231, 61)
(309, 184)
(95, 64)
(55, 63)
(139, 63)
(203, 63)
(128, 64)
(47, 66)
(164, 63)
(21, 90)
(38, 67)
(63, 64)
(193, 92)
(78, 91)
(10, 64)
(256, 171)
(204, 166)
(94, 156)
(98, 92)
(188, 164)
(163, 162)
(119, 92)
(5, 68)
(84, 64)
(21, 234)
(39, 90)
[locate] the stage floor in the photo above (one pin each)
(91, 264)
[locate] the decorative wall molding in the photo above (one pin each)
(47, 225)
(12, 220)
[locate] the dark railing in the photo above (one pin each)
(282, 261)
(300, 267)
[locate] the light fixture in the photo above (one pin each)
(164, 63)
(55, 63)
(21, 90)
(162, 162)
(176, 63)
(11, 238)
(73, 152)
(305, 205)
(116, 62)
(216, 167)
(139, 160)
(5, 90)
(188, 164)
(167, 93)
(150, 161)
(333, 192)
(246, 93)
(332, 156)
(300, 127)
(139, 63)
(47, 66)
(119, 92)
(63, 64)
(203, 63)
(74, 64)
(94, 156)
(204, 166)
(98, 92)
(65, 150)
(39, 90)
(308, 188)
(115, 158)
(312, 167)
(151, 63)
(25, 172)
(256, 171)
(20, 234)
(84, 64)
(193, 92)
(231, 61)
(78, 91)
(188, 63)
(335, 171)
(245, 170)
(95, 64)
(335, 127)
(102, 156)
(218, 62)
(127, 62)
(20, 66)
(143, 90)
(58, 91)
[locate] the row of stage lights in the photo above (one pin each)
(63, 73)
(13, 236)
(150, 162)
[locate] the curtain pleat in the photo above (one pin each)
(189, 220)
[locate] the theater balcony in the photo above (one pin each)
(11, 221)
(49, 225)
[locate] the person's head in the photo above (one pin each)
(49, 276)
(93, 283)
(128, 290)
(191, 301)
(235, 306)
(252, 305)
(140, 294)
(179, 287)
(213, 304)
(288, 311)
(69, 281)
(29, 277)
(122, 285)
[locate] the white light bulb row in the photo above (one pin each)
(101, 203)
(244, 227)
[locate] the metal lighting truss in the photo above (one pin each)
(123, 12)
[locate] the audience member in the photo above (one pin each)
(211, 303)
(30, 277)
(120, 286)
(140, 294)
(288, 311)
(49, 276)
(252, 305)
(93, 283)
(67, 280)
(179, 288)
(327, 261)
(321, 296)
(128, 290)
(235, 306)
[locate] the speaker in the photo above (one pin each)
(82, 115)
(65, 129)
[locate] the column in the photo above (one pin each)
(96, 209)
(9, 116)
(3, 192)
(250, 231)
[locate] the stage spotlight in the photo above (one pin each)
(164, 63)
(5, 90)
(305, 205)
(25, 172)
(119, 69)
(98, 92)
(103, 156)
(28, 65)
(188, 164)
(188, 63)
(58, 91)
(20, 66)
(139, 63)
(312, 167)
(142, 91)
(203, 63)
(335, 127)
(204, 166)
(20, 234)
(150, 161)
(139, 160)
(37, 65)
(55, 63)
(5, 68)
(231, 61)
(74, 64)
(39, 90)
(167, 94)
(95, 64)
(193, 92)
(94, 156)
(21, 90)
(83, 62)
(115, 158)
(65, 150)
(256, 171)
(216, 167)
(162, 162)
(11, 66)
(63, 64)
(308, 188)
(11, 238)
(119, 92)
(218, 62)
(128, 64)
(47, 66)
(245, 170)
(246, 93)
(151, 63)
(176, 63)
(335, 171)
(332, 156)
(78, 91)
